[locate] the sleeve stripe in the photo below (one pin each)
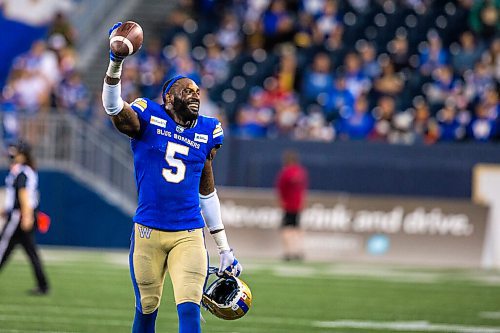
(218, 134)
(140, 103)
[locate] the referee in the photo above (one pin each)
(21, 205)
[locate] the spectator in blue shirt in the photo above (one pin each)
(433, 54)
(340, 101)
(254, 118)
(491, 101)
(357, 82)
(327, 22)
(318, 79)
(442, 87)
(449, 128)
(479, 80)
(371, 67)
(359, 125)
(277, 23)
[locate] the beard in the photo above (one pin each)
(181, 107)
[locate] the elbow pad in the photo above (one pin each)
(210, 207)
(111, 98)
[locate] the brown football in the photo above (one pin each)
(127, 39)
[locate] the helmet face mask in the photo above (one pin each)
(228, 298)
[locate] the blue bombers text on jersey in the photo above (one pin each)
(168, 160)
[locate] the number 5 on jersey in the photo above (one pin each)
(177, 176)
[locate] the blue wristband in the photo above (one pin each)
(114, 57)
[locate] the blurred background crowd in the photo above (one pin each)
(398, 71)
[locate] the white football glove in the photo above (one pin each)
(229, 264)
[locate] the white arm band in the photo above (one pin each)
(114, 69)
(111, 98)
(210, 207)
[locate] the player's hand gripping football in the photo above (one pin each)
(113, 56)
(229, 264)
(125, 39)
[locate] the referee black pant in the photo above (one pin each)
(11, 235)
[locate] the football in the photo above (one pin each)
(127, 39)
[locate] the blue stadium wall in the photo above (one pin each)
(80, 217)
(441, 170)
(83, 218)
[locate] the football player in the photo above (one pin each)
(173, 148)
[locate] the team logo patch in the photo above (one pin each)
(218, 131)
(179, 129)
(140, 103)
(201, 138)
(144, 232)
(158, 122)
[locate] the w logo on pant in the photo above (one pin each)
(144, 232)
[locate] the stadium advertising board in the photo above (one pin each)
(352, 228)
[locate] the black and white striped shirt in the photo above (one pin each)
(20, 176)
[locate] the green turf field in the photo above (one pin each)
(92, 293)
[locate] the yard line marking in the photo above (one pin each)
(489, 315)
(404, 326)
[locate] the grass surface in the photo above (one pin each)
(91, 292)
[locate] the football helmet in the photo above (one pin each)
(228, 297)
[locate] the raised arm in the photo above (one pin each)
(210, 207)
(122, 115)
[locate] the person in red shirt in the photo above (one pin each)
(291, 184)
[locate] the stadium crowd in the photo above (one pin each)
(400, 71)
(46, 75)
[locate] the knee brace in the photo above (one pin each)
(149, 304)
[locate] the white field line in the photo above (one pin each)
(489, 315)
(405, 326)
(298, 323)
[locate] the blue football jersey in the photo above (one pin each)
(168, 161)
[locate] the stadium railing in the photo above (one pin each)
(100, 159)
